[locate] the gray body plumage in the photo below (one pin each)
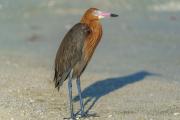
(70, 52)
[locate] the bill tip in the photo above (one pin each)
(114, 15)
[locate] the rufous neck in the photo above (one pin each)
(83, 20)
(88, 21)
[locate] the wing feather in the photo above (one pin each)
(69, 52)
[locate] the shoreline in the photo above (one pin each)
(28, 93)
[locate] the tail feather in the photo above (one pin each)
(60, 79)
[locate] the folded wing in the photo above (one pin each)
(70, 52)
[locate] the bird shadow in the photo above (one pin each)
(101, 88)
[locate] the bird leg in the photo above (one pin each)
(70, 95)
(82, 113)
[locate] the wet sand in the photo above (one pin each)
(28, 93)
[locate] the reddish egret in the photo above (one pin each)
(76, 50)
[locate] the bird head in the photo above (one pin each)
(95, 14)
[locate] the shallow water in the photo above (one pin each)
(145, 36)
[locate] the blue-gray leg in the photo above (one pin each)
(70, 96)
(80, 97)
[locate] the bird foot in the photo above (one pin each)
(81, 115)
(86, 115)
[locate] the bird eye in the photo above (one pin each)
(96, 13)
